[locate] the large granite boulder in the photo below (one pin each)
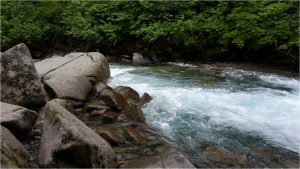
(66, 141)
(17, 119)
(13, 154)
(20, 84)
(73, 76)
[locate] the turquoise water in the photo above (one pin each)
(245, 111)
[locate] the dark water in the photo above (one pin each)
(250, 114)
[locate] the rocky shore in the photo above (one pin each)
(60, 113)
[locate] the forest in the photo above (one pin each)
(255, 31)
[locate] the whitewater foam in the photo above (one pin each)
(202, 113)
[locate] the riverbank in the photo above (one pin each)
(59, 112)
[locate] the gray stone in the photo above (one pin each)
(138, 58)
(73, 76)
(20, 84)
(13, 153)
(67, 140)
(17, 119)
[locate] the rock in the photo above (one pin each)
(113, 134)
(95, 105)
(73, 76)
(135, 112)
(20, 84)
(99, 87)
(114, 100)
(109, 117)
(145, 99)
(126, 59)
(135, 136)
(138, 58)
(223, 158)
(68, 140)
(167, 157)
(129, 93)
(17, 119)
(13, 154)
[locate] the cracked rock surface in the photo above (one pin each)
(73, 76)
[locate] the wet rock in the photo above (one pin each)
(135, 112)
(110, 117)
(129, 93)
(20, 84)
(167, 157)
(134, 135)
(114, 100)
(221, 158)
(13, 154)
(66, 141)
(73, 76)
(17, 119)
(145, 99)
(95, 105)
(113, 134)
(138, 58)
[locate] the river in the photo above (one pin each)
(249, 112)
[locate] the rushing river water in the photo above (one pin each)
(250, 113)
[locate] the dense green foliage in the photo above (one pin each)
(249, 25)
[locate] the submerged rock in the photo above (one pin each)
(13, 154)
(167, 157)
(66, 141)
(223, 158)
(20, 84)
(73, 76)
(17, 119)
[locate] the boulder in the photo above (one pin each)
(138, 58)
(17, 119)
(68, 141)
(73, 76)
(129, 93)
(114, 100)
(13, 153)
(145, 99)
(20, 84)
(135, 113)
